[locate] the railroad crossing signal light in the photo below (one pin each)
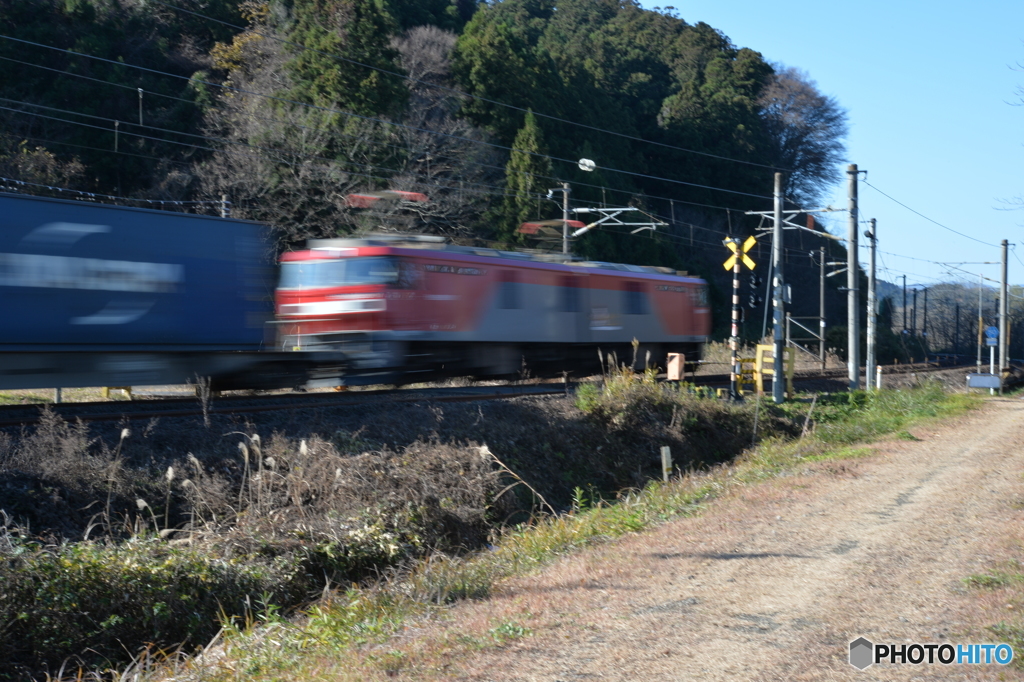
(739, 252)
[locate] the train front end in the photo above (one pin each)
(343, 299)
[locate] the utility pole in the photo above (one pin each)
(924, 325)
(778, 302)
(1004, 363)
(956, 333)
(869, 370)
(565, 218)
(821, 311)
(913, 317)
(852, 307)
(904, 304)
(980, 321)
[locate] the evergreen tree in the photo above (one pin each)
(450, 15)
(522, 178)
(360, 30)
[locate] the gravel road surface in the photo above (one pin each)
(773, 581)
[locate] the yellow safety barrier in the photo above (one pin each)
(748, 374)
(763, 368)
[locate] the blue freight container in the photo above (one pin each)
(77, 276)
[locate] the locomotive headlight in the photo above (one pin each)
(349, 303)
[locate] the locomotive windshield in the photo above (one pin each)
(317, 274)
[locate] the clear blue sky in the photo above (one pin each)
(928, 88)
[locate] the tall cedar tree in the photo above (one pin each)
(359, 30)
(526, 164)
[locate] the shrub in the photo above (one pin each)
(87, 601)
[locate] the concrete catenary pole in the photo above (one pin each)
(869, 370)
(778, 302)
(924, 323)
(980, 322)
(1004, 310)
(565, 218)
(821, 309)
(904, 330)
(913, 315)
(852, 306)
(956, 334)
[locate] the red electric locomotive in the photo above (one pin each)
(410, 308)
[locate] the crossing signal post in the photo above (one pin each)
(733, 262)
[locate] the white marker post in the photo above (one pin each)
(992, 340)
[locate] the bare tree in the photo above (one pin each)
(442, 159)
(293, 166)
(805, 130)
(286, 164)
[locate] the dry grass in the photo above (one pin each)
(293, 513)
(381, 487)
(401, 628)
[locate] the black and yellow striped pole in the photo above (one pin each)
(739, 254)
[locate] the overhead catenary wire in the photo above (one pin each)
(790, 252)
(90, 148)
(270, 120)
(376, 119)
(461, 93)
(193, 135)
(497, 190)
(490, 166)
(100, 195)
(918, 213)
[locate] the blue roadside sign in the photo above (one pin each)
(992, 332)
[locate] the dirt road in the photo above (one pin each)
(774, 581)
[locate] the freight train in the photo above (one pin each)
(100, 295)
(407, 308)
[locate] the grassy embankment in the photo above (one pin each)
(124, 592)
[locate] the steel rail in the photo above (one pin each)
(17, 415)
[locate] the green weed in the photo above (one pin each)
(839, 453)
(1004, 575)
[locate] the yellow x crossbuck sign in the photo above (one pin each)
(739, 252)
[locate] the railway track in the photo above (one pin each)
(20, 415)
(15, 415)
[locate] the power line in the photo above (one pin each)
(98, 195)
(500, 192)
(464, 94)
(260, 118)
(94, 149)
(376, 119)
(1014, 252)
(393, 146)
(918, 213)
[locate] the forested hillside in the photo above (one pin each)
(287, 106)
